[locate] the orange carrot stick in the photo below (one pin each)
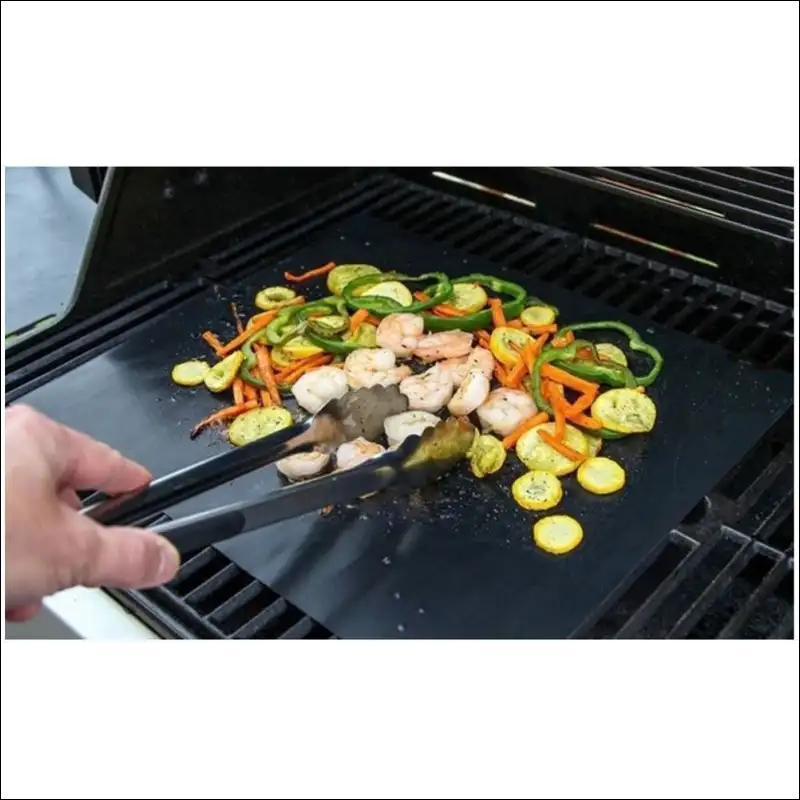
(299, 367)
(264, 362)
(538, 330)
(235, 344)
(238, 392)
(570, 381)
(581, 404)
(312, 273)
(562, 448)
(584, 421)
(357, 318)
(532, 422)
(222, 414)
(250, 392)
(498, 317)
(213, 342)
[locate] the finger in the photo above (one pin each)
(70, 498)
(123, 558)
(23, 613)
(88, 464)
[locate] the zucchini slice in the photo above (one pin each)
(274, 297)
(536, 454)
(298, 348)
(537, 490)
(221, 376)
(280, 358)
(190, 373)
(394, 290)
(557, 534)
(340, 276)
(535, 316)
(468, 298)
(258, 423)
(610, 352)
(625, 411)
(601, 475)
(594, 443)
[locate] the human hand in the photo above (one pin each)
(50, 546)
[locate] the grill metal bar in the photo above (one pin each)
(219, 615)
(262, 620)
(712, 592)
(778, 192)
(784, 627)
(735, 624)
(783, 209)
(753, 216)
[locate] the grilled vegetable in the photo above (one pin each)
(594, 443)
(300, 347)
(635, 342)
(258, 423)
(625, 411)
(312, 273)
(601, 476)
(382, 306)
(537, 316)
(507, 344)
(365, 335)
(340, 276)
(221, 376)
(468, 298)
(393, 290)
(482, 319)
(190, 373)
(537, 490)
(557, 534)
(610, 352)
(280, 358)
(536, 454)
(330, 325)
(486, 455)
(274, 297)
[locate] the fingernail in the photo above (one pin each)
(169, 563)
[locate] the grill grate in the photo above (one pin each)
(726, 571)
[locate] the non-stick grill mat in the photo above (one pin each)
(456, 560)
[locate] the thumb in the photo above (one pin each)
(124, 558)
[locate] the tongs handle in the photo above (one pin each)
(171, 489)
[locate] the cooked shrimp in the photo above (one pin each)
(479, 358)
(351, 454)
(429, 391)
(400, 333)
(473, 391)
(314, 389)
(505, 410)
(409, 423)
(447, 344)
(372, 366)
(303, 465)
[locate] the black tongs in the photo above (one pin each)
(419, 460)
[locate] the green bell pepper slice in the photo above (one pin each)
(635, 342)
(441, 291)
(566, 355)
(482, 319)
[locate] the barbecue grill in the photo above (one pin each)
(699, 256)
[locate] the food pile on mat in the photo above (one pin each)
(475, 346)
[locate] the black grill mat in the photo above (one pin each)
(455, 560)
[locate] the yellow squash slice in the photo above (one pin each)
(601, 476)
(557, 534)
(536, 454)
(537, 490)
(190, 373)
(486, 455)
(625, 411)
(258, 423)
